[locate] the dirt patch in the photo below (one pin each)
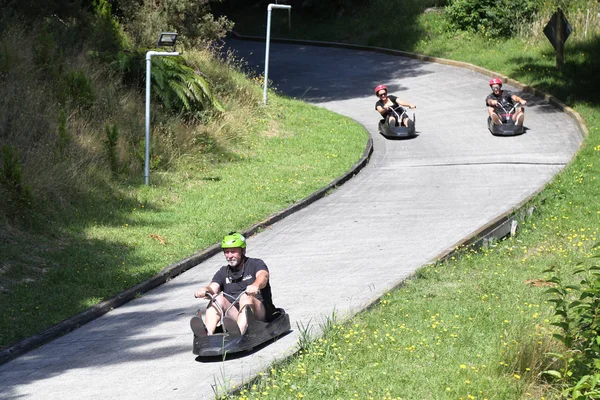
(539, 283)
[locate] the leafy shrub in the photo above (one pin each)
(6, 59)
(210, 29)
(75, 89)
(112, 139)
(493, 18)
(63, 136)
(11, 178)
(106, 36)
(192, 19)
(577, 313)
(47, 54)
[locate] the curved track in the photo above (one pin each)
(415, 200)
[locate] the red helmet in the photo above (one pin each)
(380, 87)
(495, 81)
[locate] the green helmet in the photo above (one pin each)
(233, 240)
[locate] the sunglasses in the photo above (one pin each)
(495, 87)
(382, 94)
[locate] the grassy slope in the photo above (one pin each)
(476, 326)
(255, 163)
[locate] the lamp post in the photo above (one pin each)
(165, 39)
(269, 8)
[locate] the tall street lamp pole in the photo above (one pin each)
(269, 8)
(165, 39)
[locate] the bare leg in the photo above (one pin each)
(213, 316)
(519, 118)
(392, 122)
(495, 118)
(256, 306)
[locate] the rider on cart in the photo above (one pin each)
(386, 105)
(499, 102)
(243, 277)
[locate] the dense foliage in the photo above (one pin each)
(504, 18)
(491, 17)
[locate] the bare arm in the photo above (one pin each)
(262, 278)
(517, 98)
(212, 288)
(404, 104)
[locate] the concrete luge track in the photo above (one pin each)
(416, 200)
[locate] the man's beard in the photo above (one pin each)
(233, 262)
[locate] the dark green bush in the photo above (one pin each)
(105, 35)
(145, 19)
(47, 53)
(577, 315)
(19, 195)
(63, 136)
(75, 90)
(492, 18)
(6, 59)
(112, 139)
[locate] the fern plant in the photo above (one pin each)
(180, 88)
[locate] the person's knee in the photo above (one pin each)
(222, 301)
(256, 307)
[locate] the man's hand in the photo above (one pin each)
(411, 106)
(493, 103)
(200, 293)
(252, 290)
(523, 102)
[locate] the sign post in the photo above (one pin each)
(557, 30)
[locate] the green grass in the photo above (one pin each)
(476, 326)
(113, 240)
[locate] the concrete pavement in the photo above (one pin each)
(416, 200)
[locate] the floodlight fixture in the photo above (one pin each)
(167, 39)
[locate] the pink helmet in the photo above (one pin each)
(495, 81)
(380, 87)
